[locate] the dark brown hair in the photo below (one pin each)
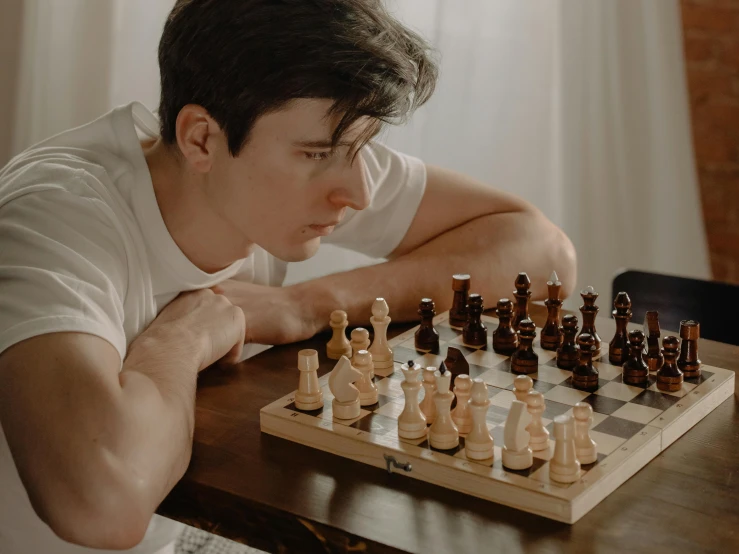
(240, 59)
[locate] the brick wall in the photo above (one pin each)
(711, 40)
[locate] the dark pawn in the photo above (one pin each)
(669, 376)
(426, 337)
(456, 363)
(525, 360)
(567, 353)
(688, 361)
(618, 348)
(505, 339)
(635, 370)
(522, 295)
(654, 357)
(551, 334)
(585, 376)
(475, 333)
(458, 311)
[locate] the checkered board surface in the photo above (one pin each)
(631, 425)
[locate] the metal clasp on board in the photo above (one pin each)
(391, 462)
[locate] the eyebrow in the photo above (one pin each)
(324, 143)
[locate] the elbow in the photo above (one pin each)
(565, 261)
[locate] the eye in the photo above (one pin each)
(319, 156)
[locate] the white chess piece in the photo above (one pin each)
(586, 448)
(346, 396)
(479, 442)
(411, 421)
(338, 346)
(360, 341)
(522, 384)
(367, 390)
(461, 413)
(443, 433)
(429, 388)
(539, 436)
(564, 466)
(516, 451)
(309, 395)
(382, 354)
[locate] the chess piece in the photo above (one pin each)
(585, 376)
(475, 333)
(525, 360)
(461, 414)
(564, 466)
(589, 310)
(367, 390)
(458, 311)
(338, 346)
(505, 339)
(360, 341)
(635, 370)
(516, 452)
(427, 338)
(456, 363)
(346, 396)
(551, 334)
(382, 354)
(411, 421)
(688, 361)
(538, 434)
(568, 355)
(522, 295)
(429, 388)
(478, 445)
(522, 384)
(309, 395)
(443, 433)
(586, 449)
(653, 355)
(618, 348)
(669, 376)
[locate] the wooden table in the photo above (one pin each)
(283, 497)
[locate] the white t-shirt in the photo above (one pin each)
(83, 247)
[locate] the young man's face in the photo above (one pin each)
(286, 188)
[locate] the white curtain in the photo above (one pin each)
(579, 106)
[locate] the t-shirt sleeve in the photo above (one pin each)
(396, 183)
(62, 268)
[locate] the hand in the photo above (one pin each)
(273, 315)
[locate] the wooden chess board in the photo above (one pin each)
(631, 425)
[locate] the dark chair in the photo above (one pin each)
(713, 304)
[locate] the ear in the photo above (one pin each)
(196, 133)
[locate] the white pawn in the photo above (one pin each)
(516, 451)
(309, 395)
(346, 396)
(382, 354)
(367, 389)
(461, 413)
(564, 466)
(522, 385)
(411, 421)
(585, 447)
(338, 346)
(443, 433)
(360, 341)
(429, 388)
(539, 436)
(479, 442)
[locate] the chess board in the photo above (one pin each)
(631, 425)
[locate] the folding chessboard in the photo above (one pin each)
(631, 425)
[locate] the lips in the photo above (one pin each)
(323, 230)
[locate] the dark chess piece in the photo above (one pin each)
(426, 337)
(589, 310)
(505, 339)
(456, 363)
(635, 371)
(567, 354)
(669, 376)
(458, 311)
(475, 333)
(688, 361)
(525, 360)
(618, 348)
(522, 295)
(585, 376)
(653, 355)
(551, 334)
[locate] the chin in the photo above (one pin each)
(295, 252)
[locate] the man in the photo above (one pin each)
(135, 253)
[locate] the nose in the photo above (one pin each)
(350, 187)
